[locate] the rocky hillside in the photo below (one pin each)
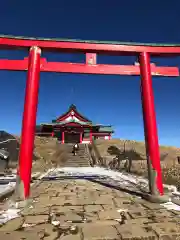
(136, 151)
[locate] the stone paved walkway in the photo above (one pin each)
(82, 210)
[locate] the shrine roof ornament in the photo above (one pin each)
(72, 107)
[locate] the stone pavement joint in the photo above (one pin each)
(82, 210)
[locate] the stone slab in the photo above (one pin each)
(100, 232)
(80, 209)
(128, 232)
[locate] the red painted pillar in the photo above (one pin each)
(90, 136)
(150, 125)
(29, 119)
(62, 137)
(80, 140)
(52, 134)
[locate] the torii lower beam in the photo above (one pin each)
(107, 69)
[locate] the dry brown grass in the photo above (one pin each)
(50, 153)
(169, 164)
(59, 158)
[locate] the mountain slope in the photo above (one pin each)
(108, 149)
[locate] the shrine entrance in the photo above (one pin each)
(72, 137)
(34, 64)
(72, 134)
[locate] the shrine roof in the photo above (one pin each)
(74, 116)
(101, 128)
(66, 122)
(72, 108)
(106, 129)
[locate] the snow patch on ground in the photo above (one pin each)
(8, 215)
(126, 180)
(6, 187)
(171, 206)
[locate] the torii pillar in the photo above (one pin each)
(150, 129)
(29, 123)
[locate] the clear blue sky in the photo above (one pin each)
(104, 99)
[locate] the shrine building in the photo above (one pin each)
(73, 127)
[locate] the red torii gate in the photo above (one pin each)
(34, 64)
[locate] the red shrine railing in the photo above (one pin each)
(34, 64)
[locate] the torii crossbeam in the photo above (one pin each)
(34, 64)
